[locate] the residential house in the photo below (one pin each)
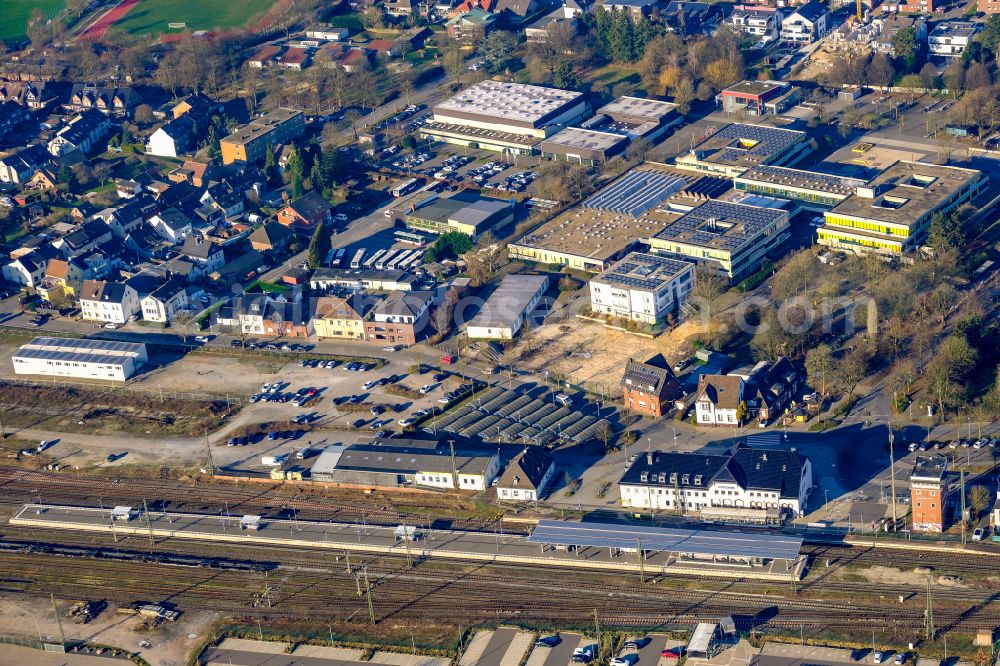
(82, 133)
(401, 318)
(204, 254)
(264, 56)
(112, 302)
(762, 23)
(327, 33)
(306, 212)
(514, 12)
(62, 280)
(164, 301)
(889, 24)
(30, 94)
(649, 388)
(12, 117)
(771, 389)
(171, 224)
(174, 138)
(44, 179)
(19, 166)
(287, 319)
(83, 239)
(112, 101)
(199, 105)
(949, 39)
(127, 188)
(689, 18)
(26, 270)
(637, 8)
(718, 400)
(471, 26)
(387, 48)
(271, 237)
(224, 197)
(194, 173)
(527, 476)
(342, 317)
(540, 30)
(767, 481)
(806, 24)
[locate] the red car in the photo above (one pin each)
(673, 653)
(447, 360)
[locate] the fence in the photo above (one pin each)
(32, 643)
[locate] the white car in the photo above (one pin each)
(201, 338)
(878, 657)
(367, 386)
(426, 388)
(340, 217)
(111, 327)
(390, 348)
(406, 422)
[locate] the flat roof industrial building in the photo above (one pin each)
(892, 213)
(732, 238)
(740, 146)
(79, 358)
(505, 311)
(811, 188)
(508, 117)
(588, 147)
(463, 212)
(608, 224)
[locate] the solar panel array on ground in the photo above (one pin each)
(636, 192)
(499, 414)
(695, 542)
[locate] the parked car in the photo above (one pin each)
(548, 641)
(426, 388)
(878, 657)
(583, 655)
(636, 643)
(673, 653)
(978, 534)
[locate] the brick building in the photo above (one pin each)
(649, 388)
(929, 494)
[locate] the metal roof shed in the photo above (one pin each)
(122, 513)
(698, 543)
(250, 523)
(702, 643)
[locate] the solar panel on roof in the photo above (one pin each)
(769, 546)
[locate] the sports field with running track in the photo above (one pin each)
(14, 15)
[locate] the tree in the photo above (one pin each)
(820, 367)
(742, 411)
(979, 499)
(496, 48)
(881, 71)
(977, 76)
(684, 95)
(929, 76)
(565, 76)
(724, 72)
(904, 46)
(950, 230)
(954, 77)
(319, 246)
(796, 276)
(990, 36)
(605, 433)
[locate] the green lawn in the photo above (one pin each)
(15, 15)
(152, 16)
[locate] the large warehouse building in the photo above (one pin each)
(80, 359)
(506, 117)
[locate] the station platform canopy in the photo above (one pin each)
(702, 542)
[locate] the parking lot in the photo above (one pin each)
(558, 655)
(306, 407)
(503, 647)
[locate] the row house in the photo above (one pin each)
(112, 101)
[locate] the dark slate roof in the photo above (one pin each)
(652, 376)
(310, 205)
(405, 303)
(198, 247)
(811, 11)
(667, 463)
(526, 470)
(767, 469)
(271, 233)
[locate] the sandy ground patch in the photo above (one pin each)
(893, 576)
(586, 353)
(31, 616)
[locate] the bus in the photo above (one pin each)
(386, 258)
(358, 257)
(404, 188)
(413, 261)
(337, 260)
(370, 261)
(402, 256)
(410, 238)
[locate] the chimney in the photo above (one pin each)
(763, 457)
(650, 457)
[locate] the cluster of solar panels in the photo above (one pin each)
(767, 141)
(636, 192)
(777, 175)
(81, 344)
(669, 540)
(694, 226)
(511, 417)
(655, 271)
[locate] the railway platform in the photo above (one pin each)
(407, 542)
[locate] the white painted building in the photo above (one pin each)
(505, 311)
(79, 358)
(527, 476)
(111, 302)
(746, 479)
(718, 399)
(642, 287)
(949, 39)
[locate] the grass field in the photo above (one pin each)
(15, 15)
(152, 16)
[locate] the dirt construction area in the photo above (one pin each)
(587, 354)
(168, 644)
